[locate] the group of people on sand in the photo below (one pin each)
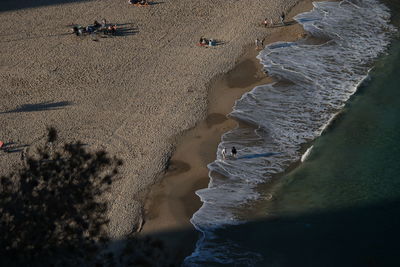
(139, 2)
(269, 22)
(96, 27)
(233, 153)
(259, 43)
(206, 42)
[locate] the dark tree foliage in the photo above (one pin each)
(52, 207)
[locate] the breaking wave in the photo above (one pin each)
(315, 81)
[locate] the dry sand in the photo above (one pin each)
(132, 95)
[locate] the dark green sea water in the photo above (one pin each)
(341, 207)
(356, 162)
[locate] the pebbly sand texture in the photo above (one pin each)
(132, 94)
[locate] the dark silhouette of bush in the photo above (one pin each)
(52, 210)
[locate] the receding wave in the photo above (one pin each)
(315, 81)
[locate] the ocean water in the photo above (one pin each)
(341, 206)
(283, 120)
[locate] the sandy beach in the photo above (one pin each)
(172, 202)
(135, 94)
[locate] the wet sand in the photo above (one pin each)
(172, 202)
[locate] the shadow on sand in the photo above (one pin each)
(39, 107)
(33, 37)
(287, 23)
(123, 29)
(149, 3)
(9, 5)
(126, 29)
(12, 147)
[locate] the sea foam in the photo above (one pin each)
(315, 81)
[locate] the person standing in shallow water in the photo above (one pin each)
(258, 44)
(223, 152)
(283, 18)
(234, 152)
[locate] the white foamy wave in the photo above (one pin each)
(316, 82)
(306, 154)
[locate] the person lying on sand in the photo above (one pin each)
(90, 29)
(111, 29)
(96, 24)
(75, 30)
(114, 29)
(203, 41)
(79, 30)
(207, 43)
(139, 2)
(212, 42)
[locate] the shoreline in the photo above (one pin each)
(171, 203)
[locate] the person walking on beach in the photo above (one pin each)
(223, 153)
(283, 18)
(266, 23)
(234, 152)
(258, 44)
